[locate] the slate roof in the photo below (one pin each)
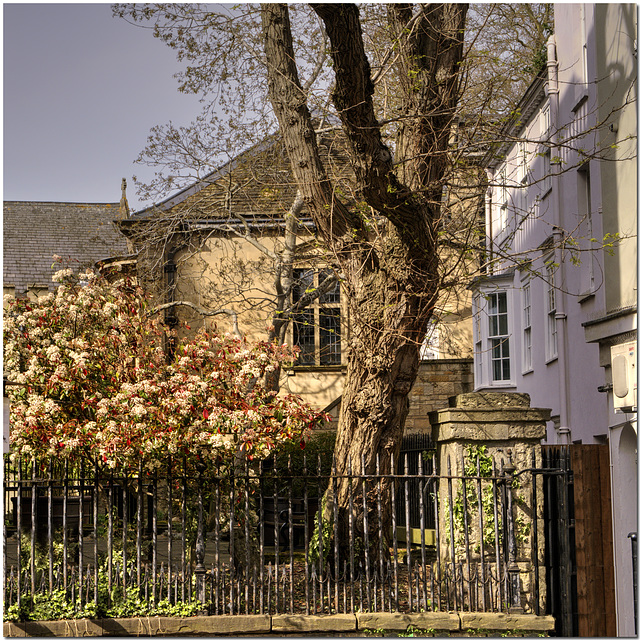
(34, 231)
(256, 183)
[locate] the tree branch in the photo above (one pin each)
(200, 310)
(335, 222)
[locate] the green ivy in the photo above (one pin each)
(327, 535)
(476, 462)
(58, 606)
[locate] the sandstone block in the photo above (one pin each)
(401, 621)
(305, 624)
(506, 622)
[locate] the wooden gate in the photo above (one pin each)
(579, 539)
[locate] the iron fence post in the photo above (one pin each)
(513, 571)
(634, 559)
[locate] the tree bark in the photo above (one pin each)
(391, 278)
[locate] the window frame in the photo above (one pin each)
(503, 212)
(478, 346)
(316, 324)
(485, 342)
(545, 121)
(585, 210)
(550, 302)
(498, 338)
(546, 178)
(527, 337)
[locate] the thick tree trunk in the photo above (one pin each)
(390, 271)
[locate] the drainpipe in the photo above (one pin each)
(564, 430)
(170, 268)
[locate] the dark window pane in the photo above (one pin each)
(302, 281)
(502, 302)
(333, 295)
(503, 325)
(497, 370)
(329, 336)
(304, 337)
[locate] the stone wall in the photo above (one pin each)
(341, 624)
(437, 381)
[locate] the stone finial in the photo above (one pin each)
(124, 205)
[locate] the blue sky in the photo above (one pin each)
(81, 90)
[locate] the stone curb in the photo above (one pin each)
(152, 626)
(308, 624)
(401, 621)
(505, 622)
(228, 625)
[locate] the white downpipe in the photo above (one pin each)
(564, 430)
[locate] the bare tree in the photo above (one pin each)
(388, 256)
(416, 108)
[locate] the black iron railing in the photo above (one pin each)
(251, 540)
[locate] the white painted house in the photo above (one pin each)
(555, 304)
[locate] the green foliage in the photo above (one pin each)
(320, 444)
(113, 603)
(477, 463)
(538, 61)
(327, 535)
(415, 632)
(59, 606)
(610, 242)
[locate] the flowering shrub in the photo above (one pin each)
(95, 380)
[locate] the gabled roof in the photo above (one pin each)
(35, 231)
(257, 184)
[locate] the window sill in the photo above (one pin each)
(581, 96)
(527, 372)
(495, 386)
(551, 360)
(584, 297)
(316, 367)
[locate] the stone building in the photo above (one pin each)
(237, 248)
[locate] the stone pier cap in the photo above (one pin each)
(489, 415)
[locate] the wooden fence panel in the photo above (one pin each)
(593, 540)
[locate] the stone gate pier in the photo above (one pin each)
(493, 517)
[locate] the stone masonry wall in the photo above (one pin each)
(437, 381)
